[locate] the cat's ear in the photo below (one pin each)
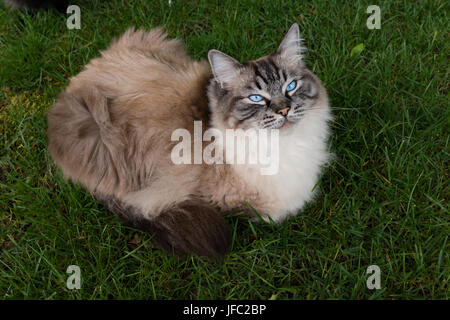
(291, 48)
(224, 67)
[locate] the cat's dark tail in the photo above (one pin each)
(190, 227)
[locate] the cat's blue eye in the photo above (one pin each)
(255, 98)
(291, 86)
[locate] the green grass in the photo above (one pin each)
(384, 200)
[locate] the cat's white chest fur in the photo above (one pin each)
(302, 153)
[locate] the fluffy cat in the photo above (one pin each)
(110, 131)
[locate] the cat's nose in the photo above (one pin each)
(284, 111)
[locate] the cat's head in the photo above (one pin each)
(273, 92)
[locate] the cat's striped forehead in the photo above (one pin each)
(266, 73)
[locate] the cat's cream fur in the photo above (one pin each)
(110, 131)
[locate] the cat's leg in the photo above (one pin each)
(84, 143)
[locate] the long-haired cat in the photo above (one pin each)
(110, 131)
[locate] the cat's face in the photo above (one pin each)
(273, 92)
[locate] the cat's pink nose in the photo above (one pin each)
(284, 111)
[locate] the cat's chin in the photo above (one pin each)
(287, 125)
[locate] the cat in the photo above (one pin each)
(110, 131)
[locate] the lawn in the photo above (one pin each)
(383, 201)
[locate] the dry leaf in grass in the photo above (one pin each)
(136, 240)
